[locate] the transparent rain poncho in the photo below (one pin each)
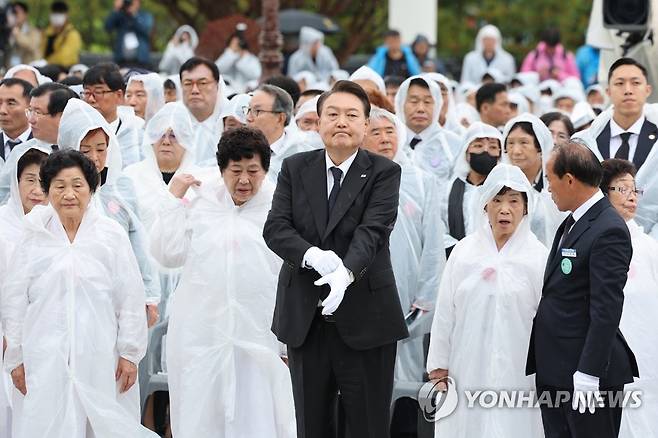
(451, 124)
(434, 153)
(115, 198)
(129, 135)
(223, 361)
(485, 306)
(41, 79)
(547, 218)
(417, 252)
(153, 85)
(70, 310)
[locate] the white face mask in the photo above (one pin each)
(57, 20)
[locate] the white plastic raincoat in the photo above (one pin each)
(483, 319)
(116, 197)
(129, 134)
(321, 65)
(295, 141)
(451, 124)
(225, 374)
(475, 66)
(153, 85)
(70, 311)
(176, 54)
(433, 153)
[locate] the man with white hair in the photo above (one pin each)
(312, 55)
(488, 53)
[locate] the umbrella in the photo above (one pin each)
(292, 20)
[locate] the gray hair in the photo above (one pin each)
(282, 100)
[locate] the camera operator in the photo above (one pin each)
(133, 28)
(237, 65)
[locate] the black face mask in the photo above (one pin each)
(483, 163)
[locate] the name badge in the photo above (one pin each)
(568, 252)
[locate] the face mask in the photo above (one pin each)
(483, 163)
(57, 20)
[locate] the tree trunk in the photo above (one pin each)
(271, 41)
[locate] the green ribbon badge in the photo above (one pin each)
(566, 266)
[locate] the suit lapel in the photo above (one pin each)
(552, 256)
(603, 141)
(352, 184)
(314, 181)
(645, 142)
(2, 145)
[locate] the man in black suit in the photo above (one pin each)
(576, 345)
(337, 307)
(628, 135)
(14, 127)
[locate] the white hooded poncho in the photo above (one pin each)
(153, 85)
(483, 319)
(324, 63)
(222, 359)
(475, 66)
(175, 55)
(71, 309)
(433, 153)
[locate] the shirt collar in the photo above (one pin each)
(580, 211)
(23, 137)
(635, 128)
(344, 166)
(278, 145)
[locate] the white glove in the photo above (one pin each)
(586, 393)
(338, 281)
(324, 262)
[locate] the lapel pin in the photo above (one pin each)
(363, 176)
(652, 137)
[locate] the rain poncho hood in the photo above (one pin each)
(475, 131)
(541, 132)
(154, 92)
(366, 73)
(41, 79)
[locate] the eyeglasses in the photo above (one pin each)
(627, 191)
(36, 113)
(257, 112)
(86, 94)
(201, 84)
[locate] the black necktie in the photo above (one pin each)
(414, 141)
(338, 174)
(12, 143)
(568, 223)
(625, 147)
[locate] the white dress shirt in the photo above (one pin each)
(615, 138)
(584, 208)
(344, 166)
(278, 145)
(23, 138)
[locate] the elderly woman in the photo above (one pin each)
(481, 152)
(527, 144)
(489, 293)
(640, 315)
(83, 128)
(76, 330)
(220, 349)
(145, 94)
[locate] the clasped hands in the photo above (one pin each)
(333, 272)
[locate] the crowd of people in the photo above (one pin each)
(310, 242)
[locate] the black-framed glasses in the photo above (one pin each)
(257, 112)
(627, 191)
(85, 94)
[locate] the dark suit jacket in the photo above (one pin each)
(357, 231)
(577, 321)
(644, 142)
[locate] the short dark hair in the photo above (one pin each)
(27, 87)
(551, 36)
(21, 5)
(393, 81)
(553, 116)
(243, 142)
(348, 87)
(419, 83)
(391, 33)
(32, 156)
(288, 84)
(487, 94)
(627, 61)
(104, 73)
(59, 7)
(578, 160)
(59, 96)
(524, 195)
(311, 93)
(66, 159)
(71, 80)
(527, 128)
(282, 100)
(613, 168)
(169, 84)
(196, 61)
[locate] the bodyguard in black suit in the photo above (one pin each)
(576, 345)
(337, 307)
(628, 135)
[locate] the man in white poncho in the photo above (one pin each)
(488, 53)
(418, 104)
(225, 374)
(179, 49)
(489, 292)
(312, 55)
(73, 310)
(145, 94)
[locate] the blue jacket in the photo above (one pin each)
(141, 25)
(378, 61)
(587, 59)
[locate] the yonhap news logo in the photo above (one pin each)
(439, 398)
